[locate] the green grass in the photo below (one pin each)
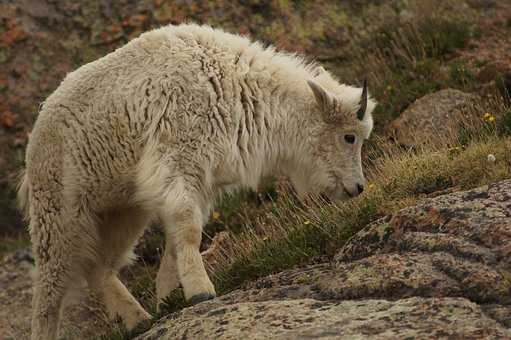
(460, 75)
(504, 122)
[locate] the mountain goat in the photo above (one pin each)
(157, 129)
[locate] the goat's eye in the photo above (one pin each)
(350, 139)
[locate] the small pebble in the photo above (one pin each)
(491, 158)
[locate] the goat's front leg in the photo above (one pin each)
(184, 227)
(167, 279)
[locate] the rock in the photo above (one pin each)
(312, 319)
(452, 245)
(24, 254)
(440, 269)
(495, 79)
(434, 116)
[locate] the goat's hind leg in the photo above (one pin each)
(119, 231)
(55, 273)
(50, 288)
(117, 299)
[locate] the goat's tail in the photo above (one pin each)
(23, 194)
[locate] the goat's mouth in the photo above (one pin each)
(334, 195)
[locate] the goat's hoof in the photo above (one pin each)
(141, 326)
(201, 298)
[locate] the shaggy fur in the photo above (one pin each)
(157, 129)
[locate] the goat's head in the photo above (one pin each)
(343, 121)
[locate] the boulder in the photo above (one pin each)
(311, 319)
(435, 116)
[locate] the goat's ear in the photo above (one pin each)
(322, 97)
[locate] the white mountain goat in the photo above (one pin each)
(157, 129)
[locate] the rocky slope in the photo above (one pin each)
(440, 269)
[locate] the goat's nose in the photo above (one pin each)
(360, 188)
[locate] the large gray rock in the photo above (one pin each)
(432, 117)
(440, 269)
(431, 318)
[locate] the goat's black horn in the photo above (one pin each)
(363, 102)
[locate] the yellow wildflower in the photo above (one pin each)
(489, 117)
(216, 215)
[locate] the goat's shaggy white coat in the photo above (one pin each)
(157, 129)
